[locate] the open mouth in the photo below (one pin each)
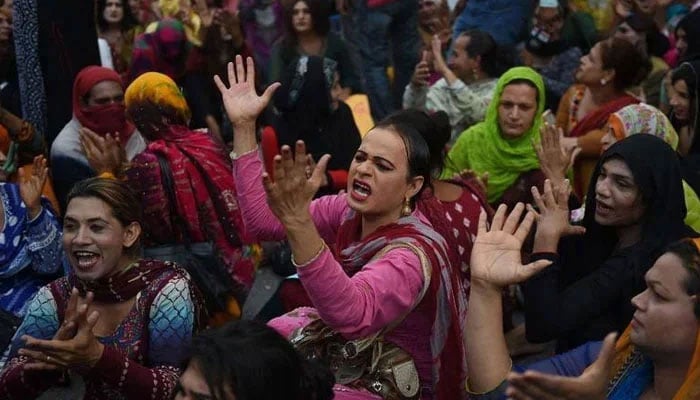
(360, 190)
(86, 260)
(602, 208)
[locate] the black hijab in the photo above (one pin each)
(691, 25)
(657, 173)
(304, 112)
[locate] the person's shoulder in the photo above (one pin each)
(68, 139)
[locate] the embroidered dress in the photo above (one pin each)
(30, 251)
(141, 359)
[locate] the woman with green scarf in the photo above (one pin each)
(501, 146)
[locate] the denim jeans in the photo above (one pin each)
(505, 20)
(387, 35)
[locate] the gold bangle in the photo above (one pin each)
(107, 175)
(312, 259)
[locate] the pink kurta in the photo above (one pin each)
(382, 292)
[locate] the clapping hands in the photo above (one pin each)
(32, 184)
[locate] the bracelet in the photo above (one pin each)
(107, 175)
(235, 156)
(318, 253)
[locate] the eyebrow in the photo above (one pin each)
(656, 285)
(378, 158)
(618, 176)
(90, 220)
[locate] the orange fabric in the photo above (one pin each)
(690, 390)
(617, 127)
(4, 140)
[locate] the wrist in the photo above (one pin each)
(33, 211)
(484, 288)
(546, 241)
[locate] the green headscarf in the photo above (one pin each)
(481, 148)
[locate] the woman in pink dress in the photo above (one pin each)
(370, 262)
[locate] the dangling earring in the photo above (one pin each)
(406, 209)
(603, 82)
(475, 75)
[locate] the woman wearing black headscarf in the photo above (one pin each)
(634, 209)
(307, 107)
(685, 102)
(688, 37)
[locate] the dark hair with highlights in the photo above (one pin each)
(256, 363)
(124, 202)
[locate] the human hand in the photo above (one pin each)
(293, 189)
(555, 159)
(31, 186)
(204, 12)
(104, 153)
(481, 181)
(527, 58)
(242, 103)
(623, 8)
(552, 212)
(82, 351)
(591, 385)
(422, 72)
(496, 260)
(438, 60)
(67, 330)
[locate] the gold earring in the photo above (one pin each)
(406, 209)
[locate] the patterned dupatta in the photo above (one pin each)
(128, 283)
(447, 347)
(206, 195)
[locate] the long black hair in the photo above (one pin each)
(128, 19)
(256, 363)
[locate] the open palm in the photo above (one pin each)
(496, 257)
(242, 103)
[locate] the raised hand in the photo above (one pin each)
(31, 185)
(591, 385)
(438, 60)
(294, 187)
(496, 259)
(555, 159)
(104, 153)
(552, 212)
(242, 103)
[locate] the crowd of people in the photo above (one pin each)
(424, 199)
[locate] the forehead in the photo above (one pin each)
(385, 143)
(617, 166)
(85, 208)
(462, 42)
(519, 93)
(680, 86)
(106, 89)
(669, 271)
(300, 5)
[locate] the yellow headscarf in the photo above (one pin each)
(157, 89)
(191, 21)
(690, 390)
